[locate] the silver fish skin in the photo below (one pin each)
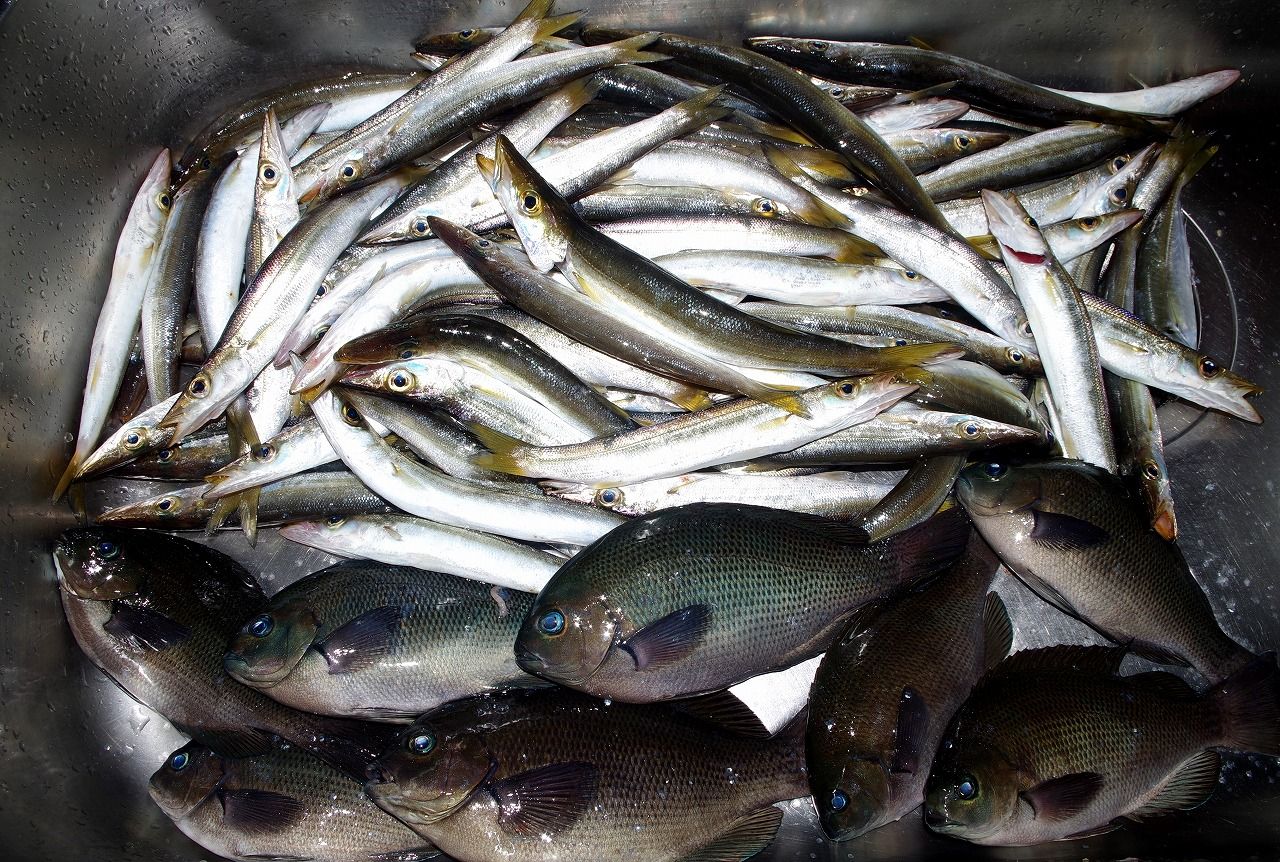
(616, 203)
(655, 237)
(131, 271)
(1076, 237)
(1064, 336)
(140, 435)
(1162, 100)
(925, 149)
(916, 498)
(436, 496)
(912, 115)
(972, 387)
(402, 540)
(1043, 200)
(835, 494)
(296, 449)
(273, 304)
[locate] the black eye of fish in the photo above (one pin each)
(265, 451)
(900, 342)
(608, 496)
(335, 520)
(837, 92)
(1119, 162)
(1209, 368)
(164, 454)
(321, 290)
(530, 201)
(1032, 222)
(132, 439)
(910, 274)
(818, 47)
(846, 388)
(1015, 355)
(261, 626)
(1120, 195)
(765, 205)
(484, 243)
(968, 788)
(399, 381)
(466, 34)
(1089, 222)
(268, 173)
(422, 743)
(420, 227)
(349, 413)
(962, 142)
(971, 429)
(1151, 470)
(348, 171)
(839, 800)
(199, 387)
(164, 201)
(406, 354)
(551, 623)
(179, 761)
(995, 471)
(108, 549)
(166, 504)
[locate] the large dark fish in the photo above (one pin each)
(1077, 536)
(284, 805)
(696, 598)
(553, 776)
(155, 612)
(886, 689)
(381, 642)
(1054, 745)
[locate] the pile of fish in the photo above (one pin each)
(626, 369)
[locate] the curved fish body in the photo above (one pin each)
(971, 387)
(294, 450)
(700, 597)
(654, 237)
(284, 804)
(1079, 539)
(380, 642)
(912, 113)
(925, 149)
(558, 777)
(1162, 100)
(1092, 748)
(1140, 450)
(886, 689)
(916, 498)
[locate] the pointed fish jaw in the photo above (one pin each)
(1017, 238)
(119, 448)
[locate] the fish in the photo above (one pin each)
(552, 775)
(306, 495)
(300, 447)
(621, 203)
(834, 494)
(655, 237)
(887, 688)
(1140, 450)
(456, 41)
(132, 268)
(730, 431)
(1162, 100)
(137, 437)
(926, 149)
(912, 114)
(1080, 540)
(155, 613)
(916, 497)
(284, 804)
(379, 642)
(1064, 334)
(190, 461)
(1073, 238)
(1116, 748)
(970, 387)
(696, 598)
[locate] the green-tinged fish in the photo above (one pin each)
(308, 495)
(618, 203)
(380, 642)
(794, 97)
(1140, 450)
(700, 597)
(971, 387)
(913, 113)
(836, 494)
(155, 613)
(654, 237)
(1063, 333)
(190, 461)
(132, 269)
(1078, 538)
(925, 149)
(916, 497)
(731, 431)
(456, 41)
(140, 435)
(901, 325)
(614, 276)
(500, 351)
(426, 492)
(557, 777)
(401, 540)
(284, 804)
(901, 434)
(887, 687)
(1055, 745)
(906, 66)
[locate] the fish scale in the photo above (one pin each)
(453, 640)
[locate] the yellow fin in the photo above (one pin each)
(917, 42)
(502, 455)
(535, 10)
(691, 398)
(248, 509)
(912, 355)
(984, 245)
(553, 25)
(68, 476)
(221, 512)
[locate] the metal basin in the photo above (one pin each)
(88, 91)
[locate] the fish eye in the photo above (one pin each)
(764, 207)
(133, 440)
(348, 171)
(108, 550)
(321, 291)
(1024, 329)
(608, 496)
(198, 387)
(321, 332)
(1150, 470)
(261, 626)
(910, 275)
(420, 227)
(179, 761)
(970, 428)
(165, 504)
(531, 202)
(205, 162)
(269, 175)
(407, 353)
(399, 381)
(164, 200)
(837, 92)
(1089, 222)
(551, 623)
(963, 142)
(1031, 222)
(165, 455)
(350, 414)
(995, 471)
(1208, 368)
(1119, 162)
(1015, 355)
(422, 743)
(1119, 195)
(484, 243)
(466, 34)
(900, 342)
(839, 800)
(967, 788)
(846, 388)
(265, 452)
(818, 47)
(333, 522)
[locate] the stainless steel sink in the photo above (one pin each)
(89, 91)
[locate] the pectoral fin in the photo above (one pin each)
(669, 639)
(1062, 798)
(361, 642)
(546, 800)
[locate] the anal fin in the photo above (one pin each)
(743, 839)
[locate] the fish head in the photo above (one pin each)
(95, 563)
(405, 379)
(428, 773)
(1204, 380)
(564, 639)
(970, 797)
(540, 216)
(454, 42)
(136, 438)
(269, 646)
(328, 171)
(1016, 232)
(274, 185)
(189, 776)
(207, 396)
(980, 433)
(994, 488)
(966, 141)
(852, 799)
(407, 226)
(170, 510)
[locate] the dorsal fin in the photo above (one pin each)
(1103, 660)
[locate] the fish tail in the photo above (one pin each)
(629, 50)
(691, 398)
(69, 475)
(914, 355)
(248, 509)
(535, 10)
(930, 547)
(553, 25)
(1248, 707)
(503, 455)
(221, 511)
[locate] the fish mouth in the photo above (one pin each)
(241, 671)
(939, 822)
(1025, 256)
(529, 662)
